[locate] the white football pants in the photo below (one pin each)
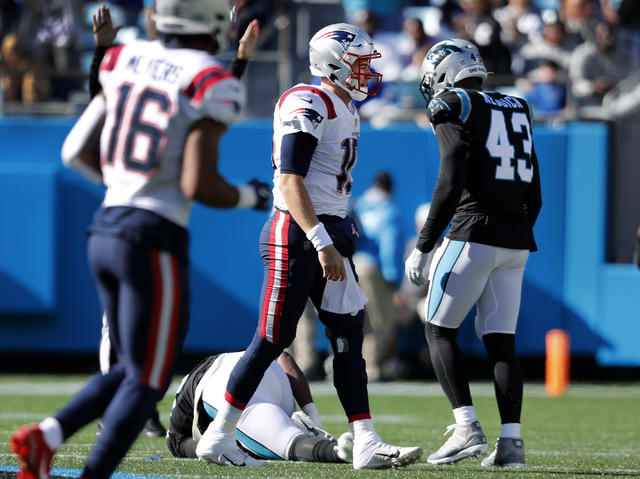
(463, 274)
(265, 426)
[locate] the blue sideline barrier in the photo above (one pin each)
(48, 301)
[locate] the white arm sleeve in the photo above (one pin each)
(79, 135)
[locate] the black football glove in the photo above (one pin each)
(263, 195)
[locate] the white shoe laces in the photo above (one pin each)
(451, 427)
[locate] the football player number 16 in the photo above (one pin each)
(144, 141)
(499, 146)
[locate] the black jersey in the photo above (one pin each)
(488, 181)
(182, 413)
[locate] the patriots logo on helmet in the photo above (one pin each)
(313, 116)
(340, 36)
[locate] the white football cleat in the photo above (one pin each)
(467, 440)
(369, 452)
(222, 449)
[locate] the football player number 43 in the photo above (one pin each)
(499, 145)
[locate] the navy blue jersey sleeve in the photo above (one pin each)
(452, 177)
(449, 105)
(296, 152)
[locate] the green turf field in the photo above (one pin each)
(592, 431)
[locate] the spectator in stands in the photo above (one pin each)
(386, 42)
(547, 91)
(520, 22)
(49, 31)
(579, 18)
(21, 80)
(13, 66)
(552, 46)
(36, 85)
(624, 15)
(478, 25)
(402, 54)
(413, 38)
(596, 68)
(388, 12)
(378, 261)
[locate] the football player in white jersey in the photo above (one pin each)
(271, 427)
(165, 105)
(104, 35)
(307, 244)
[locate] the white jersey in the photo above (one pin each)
(321, 113)
(154, 93)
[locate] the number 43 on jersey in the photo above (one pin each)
(499, 146)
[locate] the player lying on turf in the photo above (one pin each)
(271, 427)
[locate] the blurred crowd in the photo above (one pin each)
(47, 45)
(570, 58)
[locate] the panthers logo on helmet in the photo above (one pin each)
(313, 116)
(439, 54)
(340, 36)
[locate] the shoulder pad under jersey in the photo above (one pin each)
(449, 105)
(305, 108)
(216, 93)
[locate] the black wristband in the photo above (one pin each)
(238, 66)
(94, 83)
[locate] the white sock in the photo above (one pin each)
(363, 426)
(511, 430)
(464, 414)
(227, 418)
(52, 432)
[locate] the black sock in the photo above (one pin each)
(507, 377)
(313, 449)
(448, 364)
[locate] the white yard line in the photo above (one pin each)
(321, 388)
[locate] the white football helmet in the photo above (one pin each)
(334, 53)
(195, 17)
(448, 62)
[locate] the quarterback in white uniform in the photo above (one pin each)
(307, 244)
(165, 105)
(336, 127)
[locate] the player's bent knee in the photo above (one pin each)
(345, 333)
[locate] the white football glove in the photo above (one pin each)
(304, 422)
(345, 447)
(414, 267)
